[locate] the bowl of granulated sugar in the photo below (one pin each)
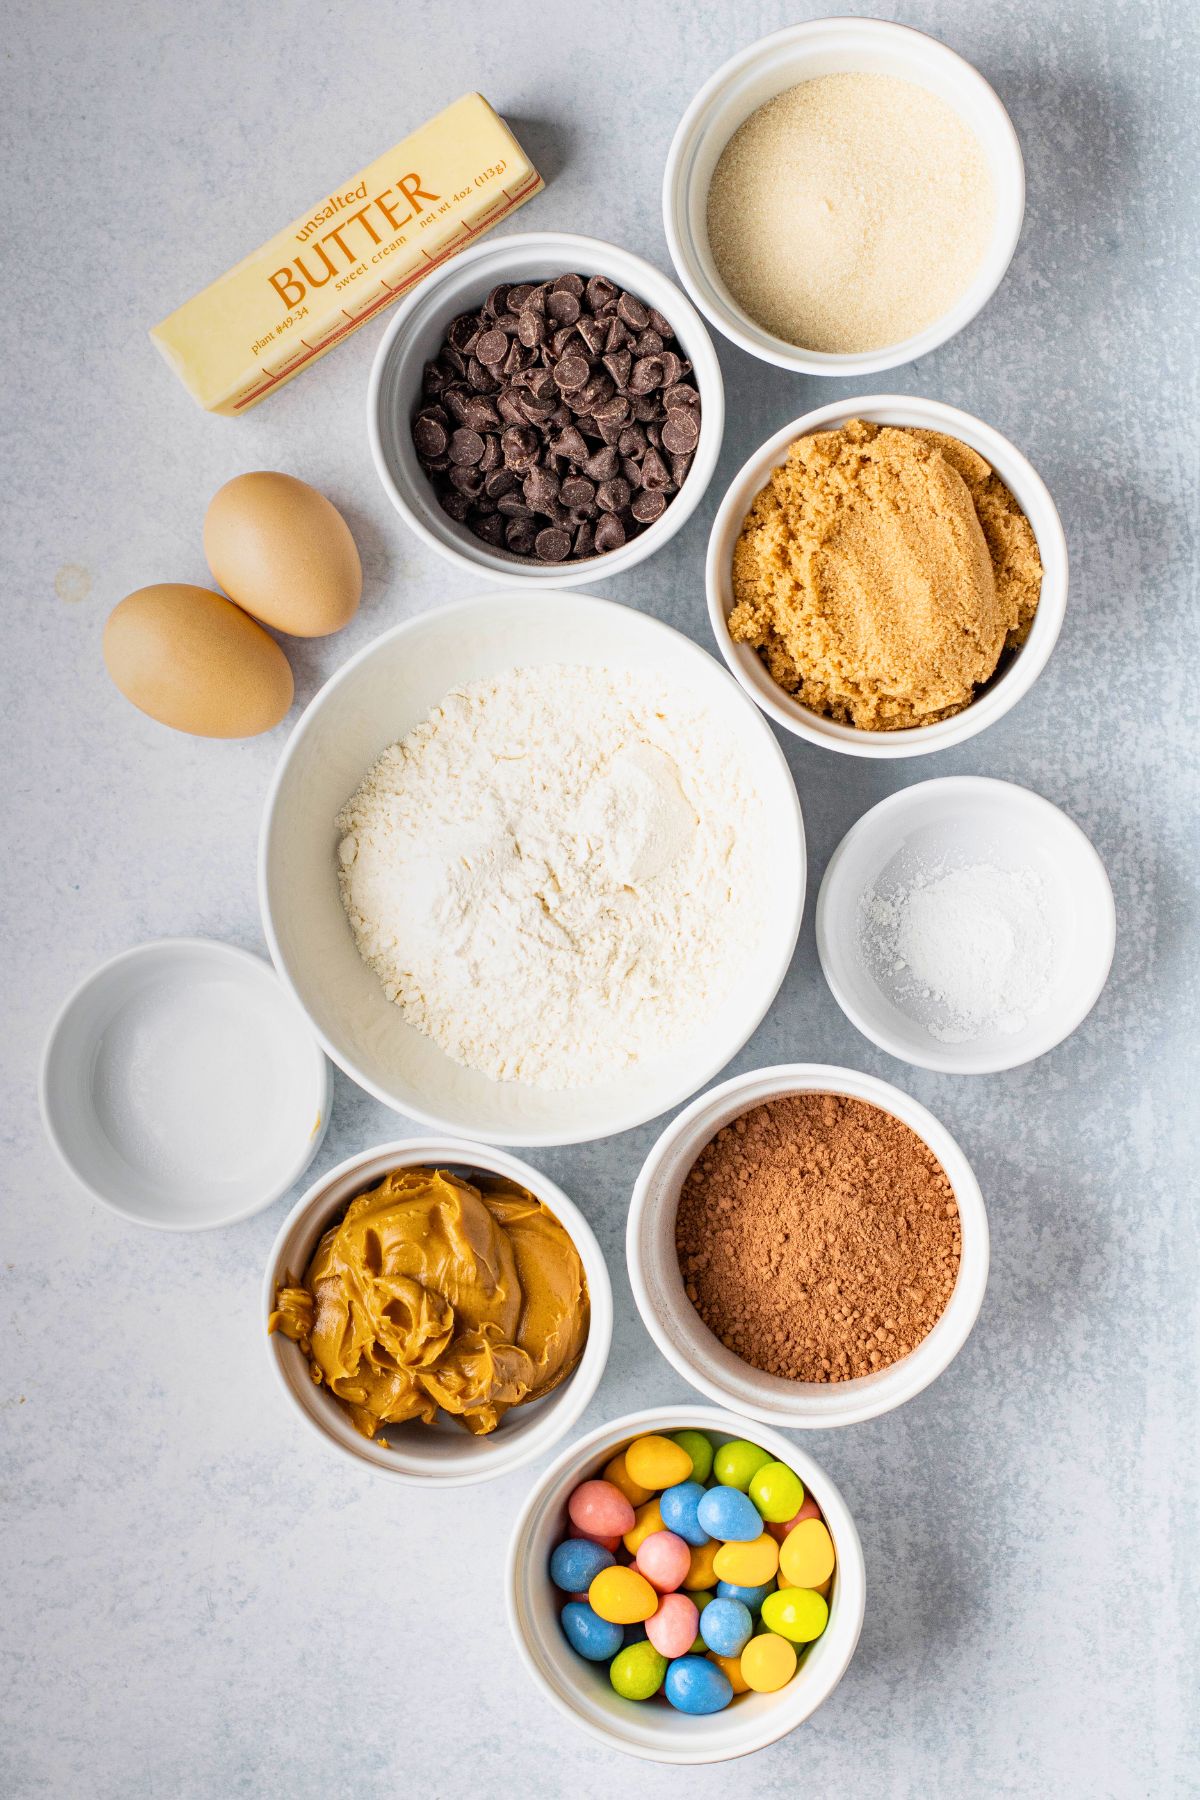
(843, 196)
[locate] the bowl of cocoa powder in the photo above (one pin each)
(808, 1245)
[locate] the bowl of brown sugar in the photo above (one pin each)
(808, 1245)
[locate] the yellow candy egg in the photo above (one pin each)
(646, 1519)
(622, 1596)
(701, 1573)
(747, 1565)
(767, 1663)
(797, 1614)
(618, 1474)
(731, 1666)
(657, 1462)
(806, 1554)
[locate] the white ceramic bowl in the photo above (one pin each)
(374, 700)
(683, 1337)
(412, 339)
(181, 1086)
(582, 1691)
(952, 822)
(801, 53)
(444, 1454)
(1016, 674)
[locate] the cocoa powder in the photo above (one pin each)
(818, 1237)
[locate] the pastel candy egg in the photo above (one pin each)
(679, 1506)
(664, 1560)
(768, 1663)
(726, 1513)
(618, 1474)
(695, 1685)
(647, 1518)
(750, 1597)
(795, 1613)
(727, 1627)
(637, 1671)
(600, 1509)
(810, 1510)
(588, 1634)
(806, 1554)
(673, 1628)
(606, 1543)
(777, 1491)
(622, 1595)
(701, 1573)
(576, 1562)
(657, 1462)
(736, 1463)
(731, 1668)
(699, 1449)
(748, 1565)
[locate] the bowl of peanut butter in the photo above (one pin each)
(437, 1310)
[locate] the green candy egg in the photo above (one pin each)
(736, 1464)
(637, 1671)
(777, 1491)
(798, 1614)
(701, 1452)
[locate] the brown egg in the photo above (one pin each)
(284, 553)
(193, 660)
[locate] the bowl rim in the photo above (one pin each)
(848, 1544)
(492, 1459)
(735, 325)
(706, 369)
(523, 1136)
(250, 963)
(1029, 661)
(919, 1368)
(960, 1059)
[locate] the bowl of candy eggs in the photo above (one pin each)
(685, 1586)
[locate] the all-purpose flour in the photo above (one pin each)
(558, 874)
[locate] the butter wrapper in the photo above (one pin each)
(356, 250)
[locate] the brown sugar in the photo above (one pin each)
(882, 572)
(818, 1237)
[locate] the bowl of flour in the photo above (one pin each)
(534, 867)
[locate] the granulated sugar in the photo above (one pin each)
(850, 212)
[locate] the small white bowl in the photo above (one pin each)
(444, 1454)
(413, 338)
(181, 1087)
(781, 61)
(957, 820)
(1017, 673)
(372, 701)
(582, 1691)
(683, 1337)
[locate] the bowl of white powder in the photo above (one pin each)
(533, 865)
(843, 196)
(966, 925)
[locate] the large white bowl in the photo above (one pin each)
(375, 699)
(444, 1454)
(413, 339)
(801, 53)
(953, 821)
(681, 1334)
(1017, 673)
(582, 1691)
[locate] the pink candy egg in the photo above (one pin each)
(608, 1543)
(672, 1630)
(810, 1510)
(600, 1509)
(664, 1560)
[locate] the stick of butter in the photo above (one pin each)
(356, 251)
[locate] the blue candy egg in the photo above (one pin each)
(695, 1685)
(678, 1506)
(728, 1514)
(726, 1625)
(588, 1634)
(750, 1597)
(576, 1563)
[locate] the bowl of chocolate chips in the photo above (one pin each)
(545, 404)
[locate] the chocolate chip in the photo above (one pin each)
(585, 539)
(619, 363)
(430, 435)
(680, 395)
(601, 293)
(631, 312)
(681, 433)
(649, 343)
(519, 535)
(632, 441)
(454, 503)
(610, 533)
(489, 527)
(492, 347)
(648, 506)
(662, 326)
(499, 481)
(565, 309)
(571, 371)
(518, 295)
(655, 473)
(646, 375)
(540, 489)
(481, 414)
(553, 544)
(602, 465)
(531, 329)
(466, 446)
(463, 332)
(612, 496)
(592, 332)
(520, 446)
(467, 480)
(578, 491)
(513, 506)
(570, 443)
(497, 301)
